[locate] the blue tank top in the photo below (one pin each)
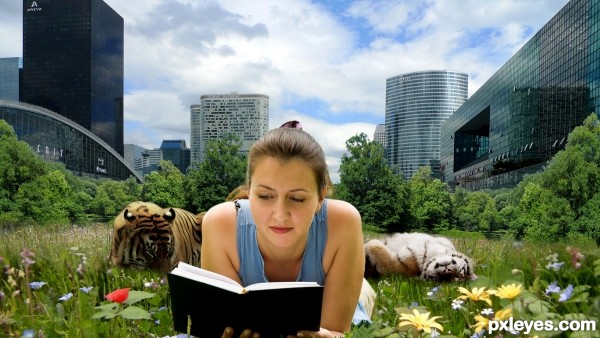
(252, 265)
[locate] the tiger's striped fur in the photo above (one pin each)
(146, 236)
(187, 233)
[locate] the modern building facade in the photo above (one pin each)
(379, 135)
(416, 105)
(73, 63)
(243, 115)
(176, 152)
(9, 78)
(136, 156)
(522, 116)
(56, 138)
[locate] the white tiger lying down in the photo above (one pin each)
(417, 254)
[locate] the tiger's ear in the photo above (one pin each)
(128, 216)
(170, 215)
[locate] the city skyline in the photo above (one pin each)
(323, 63)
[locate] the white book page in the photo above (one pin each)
(280, 285)
(208, 277)
(212, 278)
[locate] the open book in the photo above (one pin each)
(212, 302)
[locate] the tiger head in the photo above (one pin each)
(143, 237)
(156, 233)
(448, 268)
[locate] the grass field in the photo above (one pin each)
(55, 280)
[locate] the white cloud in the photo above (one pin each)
(11, 23)
(157, 114)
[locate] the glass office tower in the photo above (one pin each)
(416, 105)
(9, 78)
(73, 63)
(177, 152)
(523, 114)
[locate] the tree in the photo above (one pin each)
(165, 186)
(47, 199)
(588, 223)
(475, 211)
(541, 215)
(18, 165)
(572, 177)
(112, 196)
(368, 183)
(223, 169)
(430, 203)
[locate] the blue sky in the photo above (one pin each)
(322, 62)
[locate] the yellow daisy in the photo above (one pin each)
(477, 294)
(482, 323)
(503, 314)
(420, 321)
(509, 291)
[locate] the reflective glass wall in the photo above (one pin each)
(55, 138)
(523, 114)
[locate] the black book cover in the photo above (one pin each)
(271, 312)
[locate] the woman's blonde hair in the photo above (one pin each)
(286, 144)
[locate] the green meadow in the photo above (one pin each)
(55, 280)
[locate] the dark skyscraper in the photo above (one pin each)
(73, 63)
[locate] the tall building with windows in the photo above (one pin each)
(379, 135)
(243, 115)
(522, 116)
(176, 152)
(73, 63)
(136, 156)
(9, 78)
(416, 105)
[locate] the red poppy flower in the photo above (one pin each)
(118, 296)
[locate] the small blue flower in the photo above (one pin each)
(66, 297)
(478, 335)
(413, 304)
(553, 288)
(86, 289)
(28, 333)
(566, 294)
(555, 266)
(433, 291)
(36, 285)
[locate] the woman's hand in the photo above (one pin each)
(247, 333)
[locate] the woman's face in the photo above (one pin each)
(284, 199)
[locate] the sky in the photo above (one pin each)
(322, 62)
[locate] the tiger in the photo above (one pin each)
(417, 254)
(146, 236)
